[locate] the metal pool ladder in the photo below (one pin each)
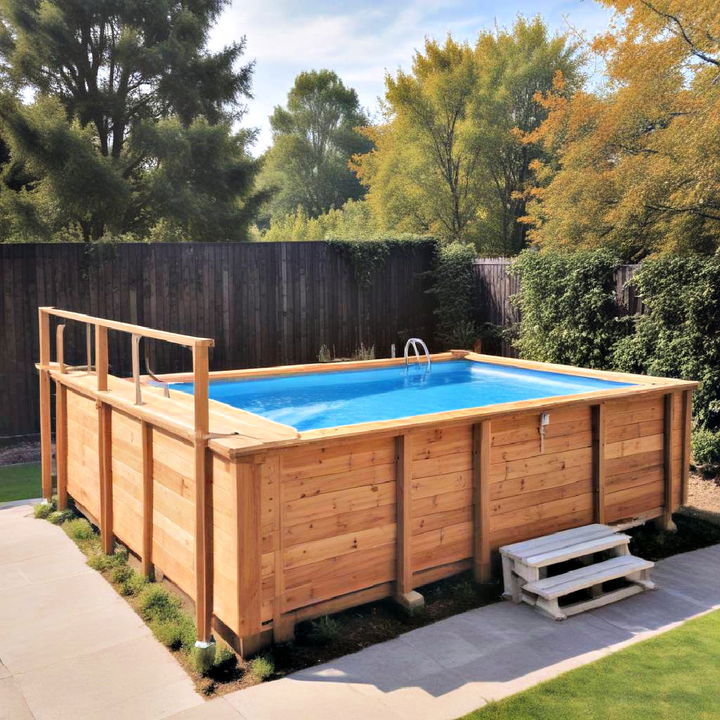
(416, 344)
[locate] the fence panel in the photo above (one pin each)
(264, 303)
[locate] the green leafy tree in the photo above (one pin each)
(122, 90)
(453, 156)
(314, 138)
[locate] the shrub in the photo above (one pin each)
(324, 630)
(568, 311)
(103, 563)
(176, 633)
(43, 510)
(133, 585)
(122, 573)
(156, 603)
(706, 448)
(454, 290)
(60, 516)
(261, 667)
(79, 529)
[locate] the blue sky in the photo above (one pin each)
(363, 39)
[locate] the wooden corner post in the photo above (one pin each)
(665, 521)
(61, 423)
(481, 442)
(203, 506)
(45, 421)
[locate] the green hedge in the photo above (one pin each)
(567, 307)
(569, 315)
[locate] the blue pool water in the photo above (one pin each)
(345, 397)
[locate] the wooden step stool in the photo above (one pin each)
(525, 567)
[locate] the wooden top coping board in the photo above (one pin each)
(256, 434)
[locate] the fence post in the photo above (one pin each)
(147, 482)
(104, 440)
(45, 421)
(686, 437)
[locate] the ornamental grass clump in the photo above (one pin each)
(261, 667)
(79, 529)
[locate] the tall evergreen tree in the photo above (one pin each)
(121, 89)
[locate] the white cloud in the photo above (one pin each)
(359, 40)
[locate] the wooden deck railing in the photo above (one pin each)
(200, 436)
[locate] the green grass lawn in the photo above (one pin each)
(674, 676)
(19, 482)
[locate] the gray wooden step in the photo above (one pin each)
(587, 577)
(576, 550)
(549, 543)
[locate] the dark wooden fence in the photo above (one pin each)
(494, 287)
(264, 303)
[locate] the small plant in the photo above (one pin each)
(363, 353)
(156, 603)
(465, 592)
(176, 633)
(79, 529)
(324, 354)
(261, 667)
(134, 585)
(103, 563)
(324, 630)
(122, 573)
(58, 517)
(43, 510)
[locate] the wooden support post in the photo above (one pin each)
(45, 420)
(147, 495)
(61, 422)
(203, 507)
(404, 593)
(481, 442)
(61, 444)
(598, 461)
(105, 468)
(101, 357)
(665, 521)
(686, 453)
(247, 512)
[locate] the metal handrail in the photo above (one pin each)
(416, 343)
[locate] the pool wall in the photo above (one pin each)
(303, 524)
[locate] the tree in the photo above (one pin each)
(110, 80)
(638, 164)
(450, 157)
(314, 137)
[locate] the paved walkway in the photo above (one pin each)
(70, 647)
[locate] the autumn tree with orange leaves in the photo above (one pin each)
(636, 166)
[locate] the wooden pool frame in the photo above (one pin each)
(262, 526)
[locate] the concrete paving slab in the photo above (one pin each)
(12, 702)
(86, 686)
(445, 670)
(301, 700)
(216, 709)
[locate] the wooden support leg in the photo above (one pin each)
(105, 463)
(405, 596)
(147, 478)
(284, 628)
(61, 444)
(481, 501)
(665, 521)
(45, 421)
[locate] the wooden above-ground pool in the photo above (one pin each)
(263, 524)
